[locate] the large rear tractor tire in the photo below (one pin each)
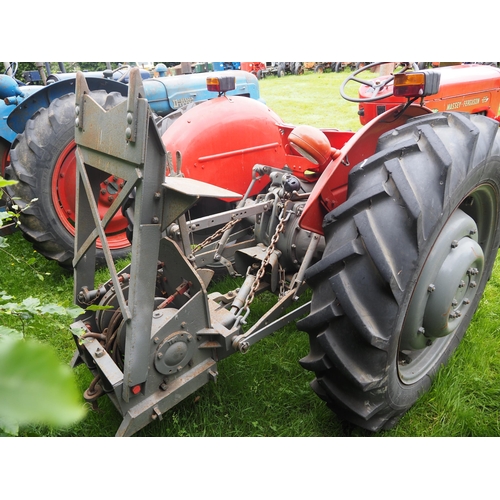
(407, 258)
(43, 161)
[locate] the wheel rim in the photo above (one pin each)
(64, 199)
(448, 285)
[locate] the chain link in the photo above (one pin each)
(215, 236)
(245, 310)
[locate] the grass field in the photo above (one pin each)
(265, 392)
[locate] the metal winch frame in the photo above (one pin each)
(171, 331)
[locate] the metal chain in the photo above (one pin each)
(216, 235)
(265, 261)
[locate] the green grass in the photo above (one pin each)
(310, 99)
(265, 392)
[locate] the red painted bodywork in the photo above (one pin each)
(221, 140)
(470, 88)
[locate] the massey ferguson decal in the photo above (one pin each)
(467, 103)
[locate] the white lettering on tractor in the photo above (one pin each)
(471, 102)
(178, 103)
(453, 105)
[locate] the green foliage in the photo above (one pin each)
(34, 386)
(5, 182)
(11, 216)
(30, 307)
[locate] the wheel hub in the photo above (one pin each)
(446, 287)
(454, 288)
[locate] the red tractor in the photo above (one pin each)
(395, 228)
(468, 88)
(256, 68)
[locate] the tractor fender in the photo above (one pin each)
(219, 142)
(42, 98)
(9, 104)
(330, 190)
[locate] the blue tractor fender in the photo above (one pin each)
(9, 104)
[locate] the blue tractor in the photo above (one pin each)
(37, 148)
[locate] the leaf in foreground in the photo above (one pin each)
(35, 387)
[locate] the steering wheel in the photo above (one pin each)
(376, 84)
(13, 68)
(126, 67)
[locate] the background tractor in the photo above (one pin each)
(394, 228)
(37, 148)
(256, 68)
(281, 69)
(321, 67)
(341, 66)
